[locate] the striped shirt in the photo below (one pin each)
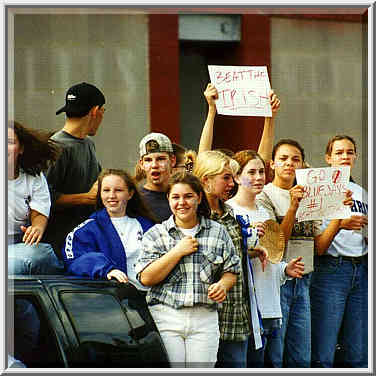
(187, 284)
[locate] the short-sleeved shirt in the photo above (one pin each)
(353, 243)
(26, 192)
(75, 171)
(157, 203)
(276, 201)
(188, 282)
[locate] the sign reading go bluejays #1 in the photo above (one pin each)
(324, 193)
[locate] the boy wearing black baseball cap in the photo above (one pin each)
(73, 178)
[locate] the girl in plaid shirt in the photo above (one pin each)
(239, 319)
(190, 263)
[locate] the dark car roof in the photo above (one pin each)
(49, 277)
(113, 286)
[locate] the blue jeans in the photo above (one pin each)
(291, 346)
(339, 296)
(33, 259)
(256, 358)
(232, 354)
(26, 329)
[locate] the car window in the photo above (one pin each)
(31, 338)
(102, 329)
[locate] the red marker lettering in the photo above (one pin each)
(335, 176)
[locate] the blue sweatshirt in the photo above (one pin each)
(94, 247)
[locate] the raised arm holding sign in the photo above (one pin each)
(241, 90)
(266, 142)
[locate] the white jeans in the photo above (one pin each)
(190, 335)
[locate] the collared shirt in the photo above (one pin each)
(234, 313)
(187, 284)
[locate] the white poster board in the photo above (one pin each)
(324, 192)
(241, 90)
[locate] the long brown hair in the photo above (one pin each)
(193, 181)
(39, 152)
(135, 206)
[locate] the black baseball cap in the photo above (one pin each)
(81, 98)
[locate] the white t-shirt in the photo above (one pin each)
(350, 242)
(130, 233)
(25, 193)
(189, 231)
(267, 283)
(301, 243)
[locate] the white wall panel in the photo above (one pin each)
(55, 51)
(319, 70)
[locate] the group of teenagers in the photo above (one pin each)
(186, 231)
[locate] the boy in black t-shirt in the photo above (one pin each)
(157, 160)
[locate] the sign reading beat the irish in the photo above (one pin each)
(241, 90)
(324, 192)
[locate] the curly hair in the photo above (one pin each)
(190, 157)
(39, 151)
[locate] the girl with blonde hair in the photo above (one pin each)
(238, 317)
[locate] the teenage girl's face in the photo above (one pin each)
(184, 201)
(115, 195)
(343, 154)
(14, 148)
(252, 177)
(287, 159)
(220, 185)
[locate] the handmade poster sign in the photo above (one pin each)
(324, 192)
(241, 90)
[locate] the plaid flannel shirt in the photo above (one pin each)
(187, 284)
(234, 313)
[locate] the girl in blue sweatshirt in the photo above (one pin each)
(107, 244)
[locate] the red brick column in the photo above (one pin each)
(164, 74)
